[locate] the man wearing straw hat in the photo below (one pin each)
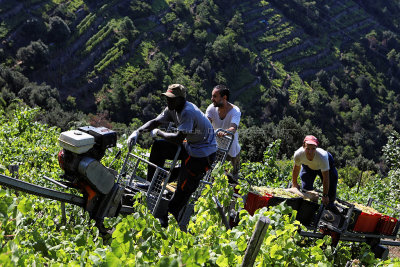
(194, 134)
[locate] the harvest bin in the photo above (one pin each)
(255, 201)
(386, 225)
(367, 222)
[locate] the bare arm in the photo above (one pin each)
(148, 126)
(176, 138)
(295, 174)
(325, 184)
(233, 127)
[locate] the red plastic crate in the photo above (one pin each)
(386, 225)
(255, 201)
(366, 222)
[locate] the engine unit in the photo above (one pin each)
(81, 154)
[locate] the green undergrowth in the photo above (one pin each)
(34, 233)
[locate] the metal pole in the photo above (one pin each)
(255, 242)
(13, 169)
(221, 212)
(55, 182)
(63, 217)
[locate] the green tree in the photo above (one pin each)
(200, 36)
(140, 9)
(254, 140)
(391, 151)
(181, 34)
(159, 65)
(236, 24)
(35, 55)
(222, 48)
(64, 11)
(40, 95)
(58, 30)
(35, 29)
(128, 29)
(12, 79)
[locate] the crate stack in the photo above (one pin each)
(268, 197)
(364, 219)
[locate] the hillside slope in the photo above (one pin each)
(329, 68)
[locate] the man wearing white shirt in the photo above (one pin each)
(315, 161)
(225, 115)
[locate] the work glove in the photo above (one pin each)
(132, 138)
(154, 133)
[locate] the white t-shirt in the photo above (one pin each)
(233, 116)
(319, 162)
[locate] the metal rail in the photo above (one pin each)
(350, 236)
(41, 191)
(354, 237)
(155, 189)
(126, 210)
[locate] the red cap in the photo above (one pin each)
(311, 139)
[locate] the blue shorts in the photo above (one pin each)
(308, 176)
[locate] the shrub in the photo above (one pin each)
(35, 55)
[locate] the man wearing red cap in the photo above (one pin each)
(197, 152)
(315, 161)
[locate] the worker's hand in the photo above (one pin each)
(220, 134)
(132, 138)
(154, 133)
(325, 200)
(296, 185)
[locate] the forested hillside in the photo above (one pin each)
(296, 67)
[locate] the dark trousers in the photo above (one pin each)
(189, 174)
(308, 176)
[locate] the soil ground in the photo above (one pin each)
(394, 251)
